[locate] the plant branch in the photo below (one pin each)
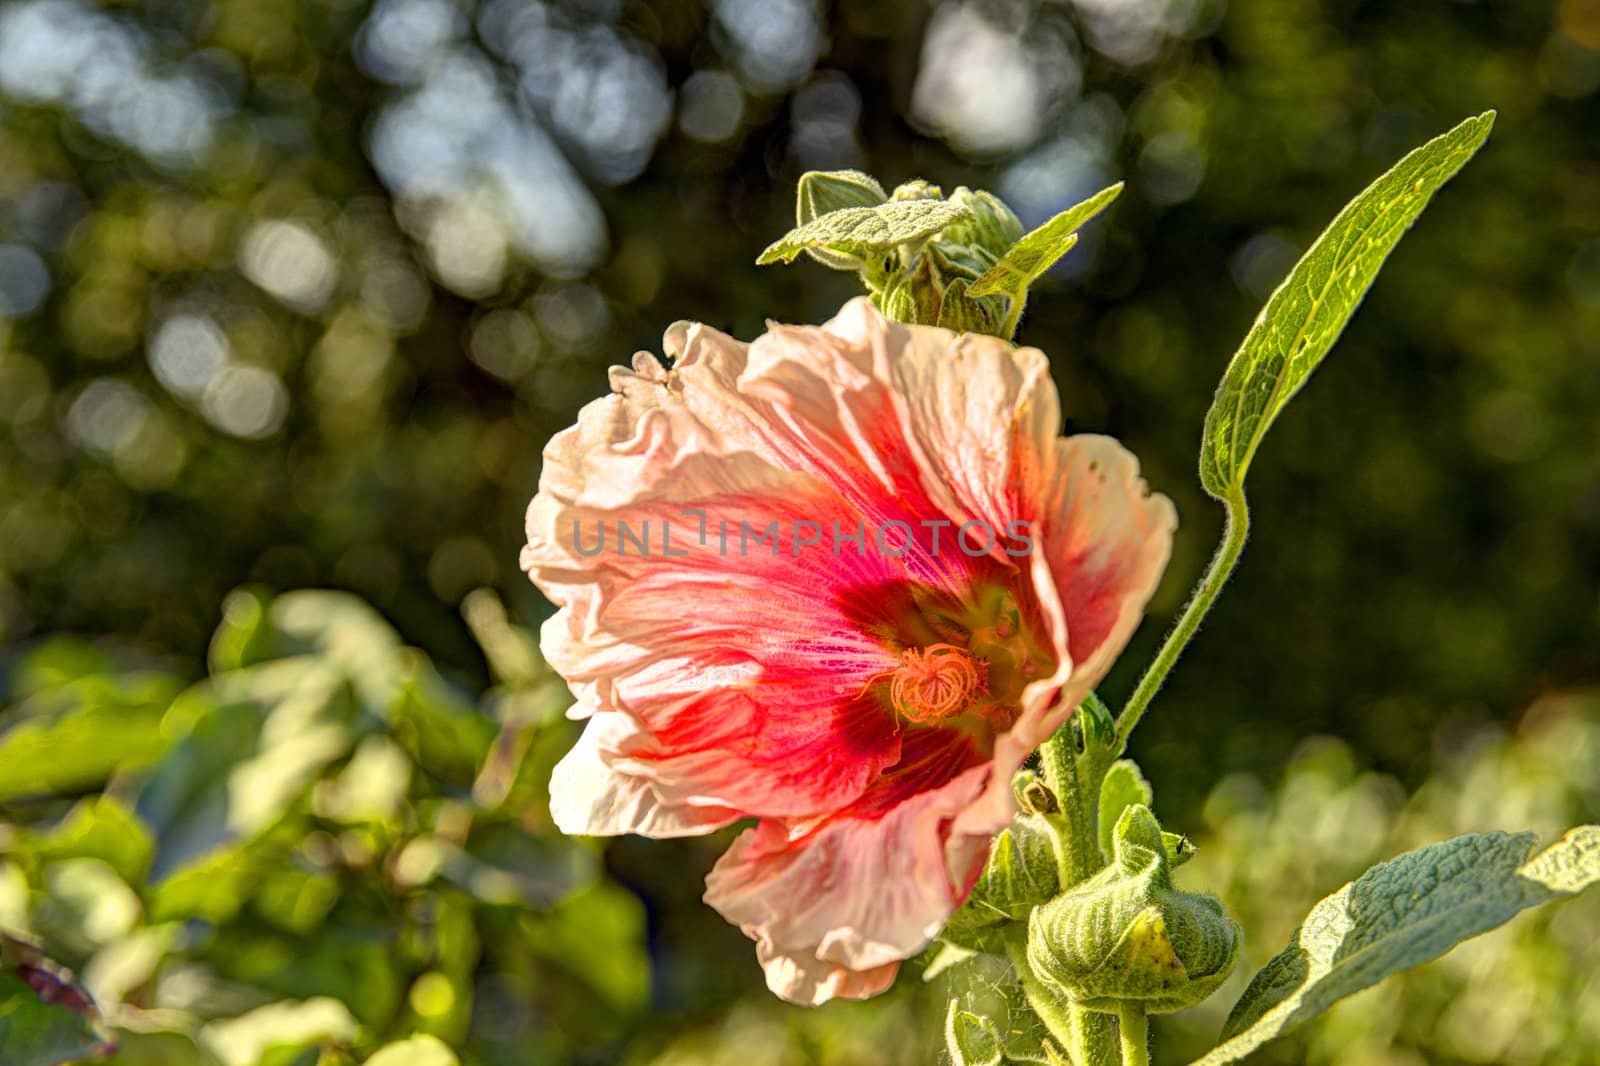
(1205, 593)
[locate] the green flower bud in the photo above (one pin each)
(918, 189)
(1022, 871)
(993, 226)
(1126, 935)
(1098, 728)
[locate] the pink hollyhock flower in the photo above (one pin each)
(946, 579)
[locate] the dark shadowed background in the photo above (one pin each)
(293, 294)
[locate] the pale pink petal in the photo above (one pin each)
(589, 797)
(812, 982)
(1107, 540)
(858, 893)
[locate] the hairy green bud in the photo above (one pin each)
(1127, 936)
(992, 227)
(917, 189)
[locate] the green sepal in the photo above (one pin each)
(964, 314)
(970, 1039)
(1026, 260)
(1097, 727)
(1123, 787)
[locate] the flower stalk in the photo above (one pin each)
(1234, 534)
(1133, 1034)
(1080, 855)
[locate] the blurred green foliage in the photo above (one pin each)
(293, 292)
(325, 842)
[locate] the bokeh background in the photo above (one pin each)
(292, 294)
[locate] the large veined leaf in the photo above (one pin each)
(1309, 310)
(1401, 914)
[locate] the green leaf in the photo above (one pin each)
(821, 192)
(1401, 914)
(1037, 251)
(970, 1039)
(1123, 787)
(598, 935)
(99, 827)
(296, 1024)
(1309, 310)
(36, 1033)
(418, 1051)
(75, 737)
(858, 231)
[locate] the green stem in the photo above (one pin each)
(1059, 756)
(1008, 328)
(1216, 575)
(1056, 1016)
(1094, 1039)
(1135, 1035)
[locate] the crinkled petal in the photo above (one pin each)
(857, 894)
(589, 797)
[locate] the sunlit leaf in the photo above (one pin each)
(860, 230)
(1039, 249)
(417, 1051)
(77, 736)
(1309, 310)
(243, 1040)
(820, 192)
(1401, 914)
(100, 827)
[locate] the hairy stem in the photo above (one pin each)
(1135, 1035)
(1056, 1016)
(1205, 593)
(1059, 756)
(1094, 1039)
